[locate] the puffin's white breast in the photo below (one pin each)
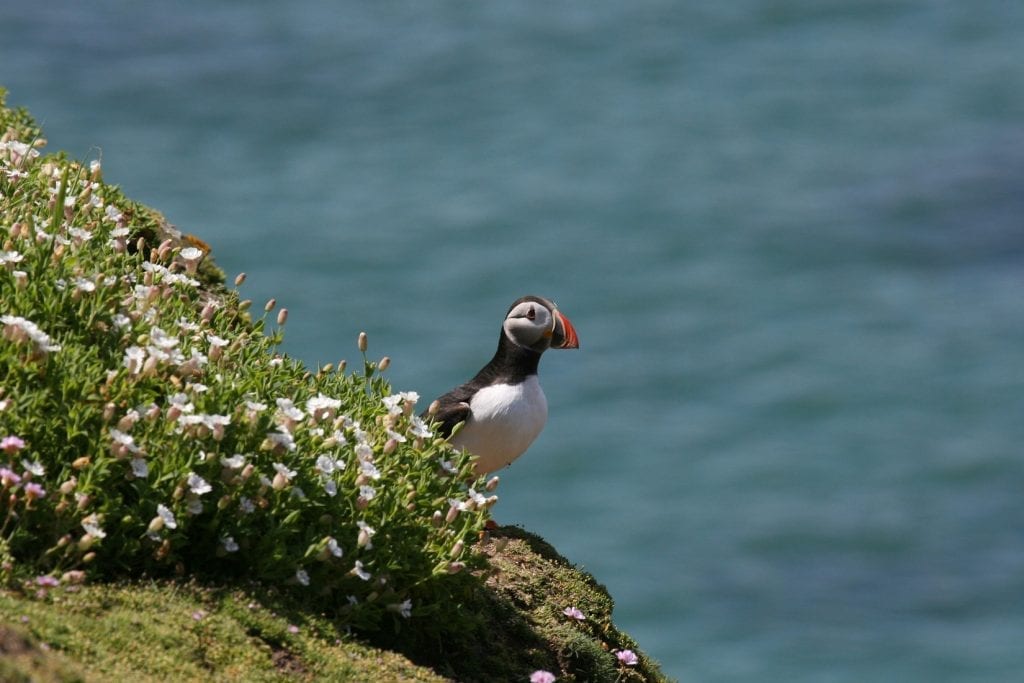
(504, 421)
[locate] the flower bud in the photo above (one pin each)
(269, 306)
(389, 446)
(436, 518)
(492, 483)
(362, 342)
(384, 363)
(68, 486)
(156, 524)
(239, 279)
(282, 316)
(108, 412)
(342, 364)
(88, 558)
(453, 512)
(280, 481)
(456, 567)
(434, 407)
(457, 548)
(73, 577)
(81, 463)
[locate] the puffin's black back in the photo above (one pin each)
(511, 364)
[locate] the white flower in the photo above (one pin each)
(19, 329)
(330, 487)
(284, 471)
(215, 340)
(169, 521)
(477, 498)
(396, 436)
(139, 468)
(134, 358)
(197, 485)
(404, 609)
(322, 407)
(367, 492)
(84, 285)
(121, 321)
(255, 406)
(120, 232)
(325, 464)
(360, 572)
(229, 544)
(418, 428)
(448, 467)
(125, 440)
(161, 339)
(334, 548)
(302, 577)
(34, 467)
(235, 462)
(246, 505)
(79, 234)
(287, 408)
(282, 440)
(364, 452)
(366, 532)
(91, 524)
(10, 258)
(181, 402)
(192, 254)
(392, 403)
(370, 470)
(112, 213)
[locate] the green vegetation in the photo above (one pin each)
(177, 499)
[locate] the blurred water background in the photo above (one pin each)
(790, 234)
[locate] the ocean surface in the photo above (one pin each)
(790, 234)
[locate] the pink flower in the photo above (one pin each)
(8, 478)
(34, 490)
(574, 613)
(292, 628)
(627, 657)
(11, 444)
(541, 676)
(47, 581)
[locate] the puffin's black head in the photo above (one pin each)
(535, 323)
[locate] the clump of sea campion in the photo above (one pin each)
(148, 424)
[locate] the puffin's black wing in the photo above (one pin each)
(453, 408)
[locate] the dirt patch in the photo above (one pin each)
(13, 643)
(287, 661)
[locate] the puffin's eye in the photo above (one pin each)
(531, 314)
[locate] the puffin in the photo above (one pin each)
(503, 409)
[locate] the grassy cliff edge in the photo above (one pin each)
(99, 581)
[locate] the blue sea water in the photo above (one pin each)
(790, 234)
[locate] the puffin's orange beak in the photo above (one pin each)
(564, 335)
